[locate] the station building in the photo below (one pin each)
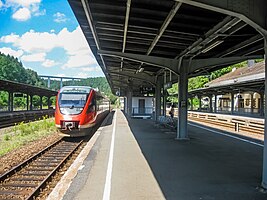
(238, 92)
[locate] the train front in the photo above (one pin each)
(72, 111)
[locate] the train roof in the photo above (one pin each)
(86, 89)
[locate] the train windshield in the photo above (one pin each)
(72, 102)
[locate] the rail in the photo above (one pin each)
(235, 123)
(27, 179)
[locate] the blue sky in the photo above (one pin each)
(46, 37)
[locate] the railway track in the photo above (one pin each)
(234, 126)
(26, 180)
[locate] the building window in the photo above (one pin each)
(247, 102)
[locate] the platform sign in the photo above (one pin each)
(167, 85)
(147, 90)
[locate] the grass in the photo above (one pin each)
(23, 133)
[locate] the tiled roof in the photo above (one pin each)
(258, 68)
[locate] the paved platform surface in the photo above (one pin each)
(149, 164)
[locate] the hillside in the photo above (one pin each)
(12, 69)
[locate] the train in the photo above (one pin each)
(79, 109)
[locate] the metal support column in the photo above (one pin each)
(199, 100)
(48, 82)
(130, 107)
(261, 104)
(232, 103)
(124, 104)
(210, 99)
(10, 102)
(41, 102)
(182, 104)
(31, 106)
(251, 103)
(158, 98)
(164, 102)
(61, 82)
(27, 102)
(49, 102)
(215, 103)
(164, 98)
(264, 171)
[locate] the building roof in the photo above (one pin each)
(11, 86)
(243, 74)
(243, 79)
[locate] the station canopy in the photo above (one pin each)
(128, 38)
(11, 86)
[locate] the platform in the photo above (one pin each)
(148, 163)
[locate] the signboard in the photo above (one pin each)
(147, 90)
(167, 85)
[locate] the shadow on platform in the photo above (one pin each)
(208, 166)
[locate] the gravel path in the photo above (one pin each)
(15, 157)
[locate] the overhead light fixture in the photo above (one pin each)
(141, 69)
(211, 46)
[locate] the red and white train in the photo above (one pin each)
(79, 109)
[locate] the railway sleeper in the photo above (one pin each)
(32, 174)
(43, 165)
(12, 192)
(40, 169)
(26, 179)
(20, 185)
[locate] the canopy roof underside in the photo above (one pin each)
(165, 29)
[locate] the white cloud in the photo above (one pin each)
(38, 57)
(24, 9)
(9, 51)
(1, 4)
(49, 63)
(39, 13)
(73, 42)
(82, 75)
(33, 42)
(12, 38)
(61, 75)
(60, 17)
(79, 60)
(91, 69)
(23, 14)
(23, 3)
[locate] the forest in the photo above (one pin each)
(12, 69)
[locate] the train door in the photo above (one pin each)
(141, 106)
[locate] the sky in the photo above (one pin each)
(46, 37)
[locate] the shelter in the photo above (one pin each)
(151, 43)
(13, 87)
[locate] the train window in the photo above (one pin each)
(92, 105)
(72, 103)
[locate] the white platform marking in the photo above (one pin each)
(106, 195)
